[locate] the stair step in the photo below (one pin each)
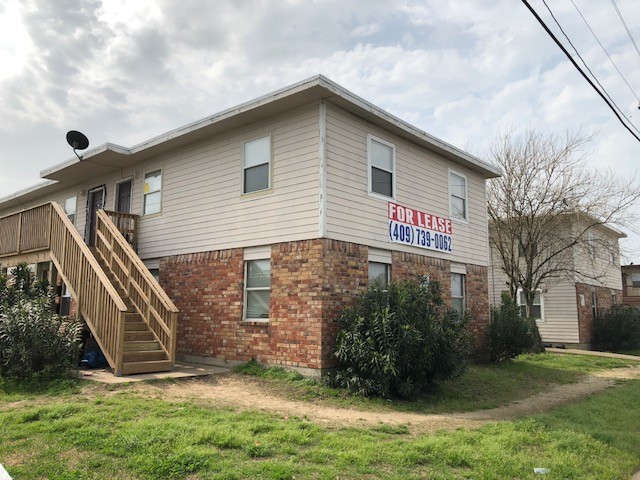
(130, 368)
(141, 345)
(144, 356)
(138, 336)
(135, 327)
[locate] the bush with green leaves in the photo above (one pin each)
(511, 335)
(33, 340)
(397, 341)
(617, 329)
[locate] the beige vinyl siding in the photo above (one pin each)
(202, 203)
(203, 208)
(560, 323)
(600, 271)
(422, 183)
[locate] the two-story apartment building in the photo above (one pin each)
(588, 282)
(263, 221)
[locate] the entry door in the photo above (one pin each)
(96, 202)
(123, 197)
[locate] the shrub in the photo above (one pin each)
(510, 334)
(35, 341)
(399, 341)
(617, 329)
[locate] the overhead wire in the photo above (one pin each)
(587, 66)
(584, 75)
(605, 50)
(615, 5)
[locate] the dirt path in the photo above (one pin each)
(243, 393)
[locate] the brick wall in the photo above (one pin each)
(604, 301)
(346, 267)
(311, 282)
(478, 305)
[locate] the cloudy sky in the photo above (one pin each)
(463, 70)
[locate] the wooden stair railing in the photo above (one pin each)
(47, 227)
(148, 298)
(127, 223)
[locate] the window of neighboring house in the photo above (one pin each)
(379, 272)
(457, 292)
(537, 308)
(591, 245)
(594, 304)
(635, 280)
(614, 299)
(257, 290)
(382, 166)
(458, 196)
(257, 165)
(152, 192)
(70, 208)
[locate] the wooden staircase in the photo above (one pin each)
(132, 319)
(142, 352)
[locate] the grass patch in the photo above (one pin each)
(482, 387)
(123, 436)
(36, 386)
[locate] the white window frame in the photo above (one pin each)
(269, 162)
(373, 138)
(75, 211)
(247, 289)
(464, 290)
(541, 293)
(144, 194)
(466, 197)
(387, 267)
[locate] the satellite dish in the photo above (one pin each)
(77, 141)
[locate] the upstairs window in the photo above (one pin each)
(458, 196)
(635, 280)
(152, 192)
(257, 291)
(257, 165)
(382, 166)
(379, 272)
(70, 208)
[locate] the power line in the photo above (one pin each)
(605, 50)
(568, 55)
(587, 66)
(615, 5)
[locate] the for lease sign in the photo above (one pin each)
(419, 229)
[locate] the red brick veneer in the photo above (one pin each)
(311, 282)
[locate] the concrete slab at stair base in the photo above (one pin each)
(180, 370)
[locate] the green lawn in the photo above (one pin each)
(483, 386)
(59, 433)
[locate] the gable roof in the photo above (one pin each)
(108, 156)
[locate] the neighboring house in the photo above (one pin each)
(565, 307)
(262, 222)
(631, 285)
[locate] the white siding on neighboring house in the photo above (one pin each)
(560, 322)
(203, 208)
(601, 265)
(422, 183)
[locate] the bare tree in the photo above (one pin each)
(548, 208)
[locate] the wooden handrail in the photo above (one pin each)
(46, 227)
(148, 298)
(127, 223)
